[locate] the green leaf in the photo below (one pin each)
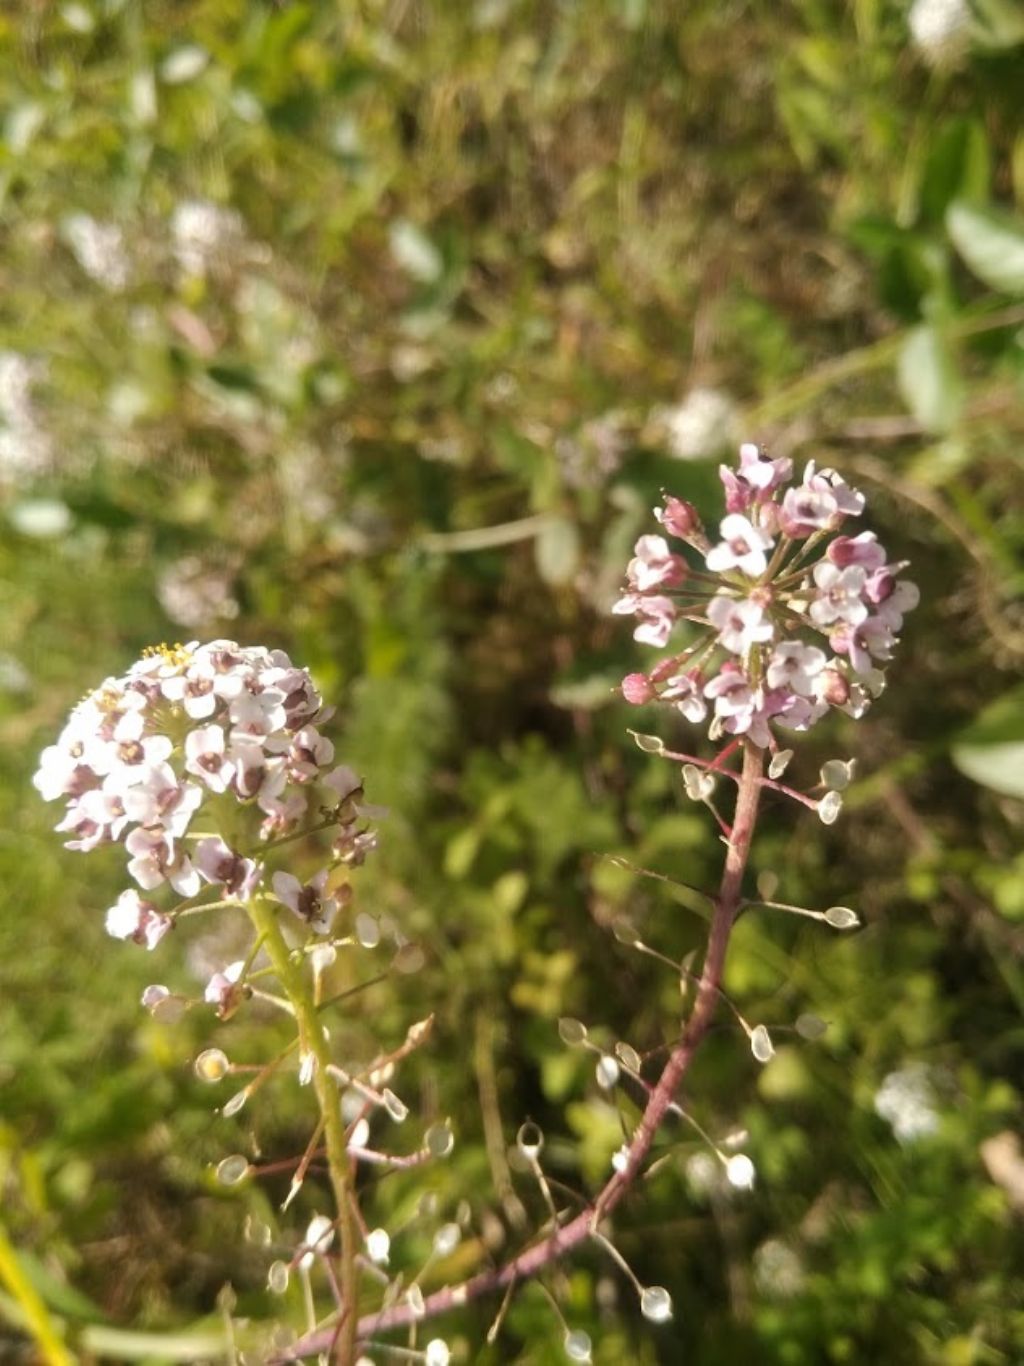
(991, 241)
(991, 750)
(56, 1293)
(117, 1344)
(928, 379)
(958, 167)
(415, 252)
(558, 551)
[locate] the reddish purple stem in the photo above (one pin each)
(567, 1236)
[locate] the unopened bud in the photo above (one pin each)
(636, 689)
(833, 687)
(680, 519)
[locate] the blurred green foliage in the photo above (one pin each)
(366, 330)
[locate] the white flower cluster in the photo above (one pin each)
(702, 425)
(906, 1100)
(777, 575)
(940, 30)
(100, 249)
(203, 234)
(186, 727)
(26, 448)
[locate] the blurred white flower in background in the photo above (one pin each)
(25, 447)
(940, 30)
(702, 426)
(778, 1270)
(99, 248)
(906, 1100)
(204, 233)
(196, 593)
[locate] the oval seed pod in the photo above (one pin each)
(761, 1044)
(278, 1276)
(232, 1169)
(741, 1172)
(779, 763)
(439, 1139)
(628, 1056)
(656, 1304)
(841, 918)
(212, 1065)
(811, 1026)
(530, 1140)
(577, 1345)
(607, 1072)
(235, 1104)
(447, 1239)
(396, 1108)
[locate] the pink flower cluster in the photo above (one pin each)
(786, 618)
(185, 728)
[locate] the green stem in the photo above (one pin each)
(37, 1317)
(313, 1040)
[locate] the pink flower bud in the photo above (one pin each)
(679, 518)
(636, 689)
(832, 687)
(880, 585)
(665, 668)
(738, 493)
(863, 550)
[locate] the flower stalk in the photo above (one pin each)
(563, 1238)
(313, 1041)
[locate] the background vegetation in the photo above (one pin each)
(372, 331)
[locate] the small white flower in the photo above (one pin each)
(307, 901)
(258, 714)
(132, 918)
(741, 623)
(731, 692)
(805, 510)
(157, 798)
(222, 989)
(194, 690)
(309, 753)
(685, 691)
(154, 861)
(342, 781)
(657, 615)
(742, 547)
(206, 757)
(839, 596)
(218, 863)
(795, 665)
(760, 473)
(904, 597)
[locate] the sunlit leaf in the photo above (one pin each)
(991, 241)
(929, 381)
